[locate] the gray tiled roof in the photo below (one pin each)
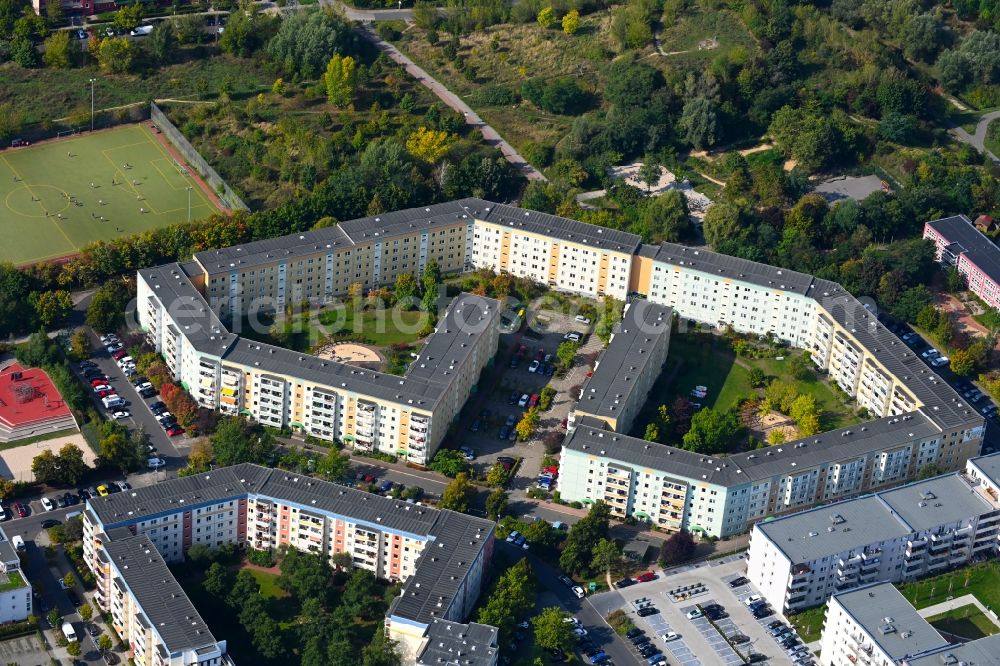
(806, 536)
(976, 247)
(199, 324)
(523, 219)
(456, 541)
(7, 552)
(734, 268)
(890, 620)
(450, 643)
(466, 318)
(245, 255)
(792, 457)
(168, 609)
(980, 652)
(239, 481)
(613, 382)
(936, 501)
(409, 220)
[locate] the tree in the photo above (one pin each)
(578, 551)
(63, 469)
(103, 642)
(334, 466)
(199, 459)
(698, 124)
(512, 598)
(114, 55)
(118, 451)
(52, 307)
(54, 618)
(652, 433)
(756, 377)
(571, 22)
(566, 352)
(775, 437)
(240, 37)
(406, 289)
(552, 632)
(546, 17)
(180, 404)
(665, 217)
(53, 13)
(607, 554)
(711, 431)
(69, 580)
(361, 594)
(162, 41)
(650, 171)
(525, 428)
(305, 42)
(23, 52)
(805, 414)
(496, 476)
(128, 17)
(458, 494)
(340, 80)
(496, 504)
(430, 145)
(73, 649)
(963, 363)
(449, 462)
(106, 312)
(679, 547)
(382, 651)
(79, 345)
(218, 580)
(86, 612)
(561, 95)
(57, 53)
(236, 440)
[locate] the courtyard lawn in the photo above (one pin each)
(966, 621)
(381, 328)
(809, 623)
(980, 580)
(63, 194)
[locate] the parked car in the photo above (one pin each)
(155, 463)
(48, 504)
(694, 614)
(523, 402)
(504, 431)
(123, 485)
(84, 494)
(533, 400)
(578, 592)
(737, 582)
(20, 509)
(565, 580)
(671, 636)
(174, 431)
(647, 611)
(467, 453)
(624, 582)
(582, 319)
(121, 414)
(534, 366)
(512, 400)
(645, 577)
(512, 536)
(103, 490)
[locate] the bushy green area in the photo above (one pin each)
(980, 580)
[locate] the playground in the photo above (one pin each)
(60, 195)
(30, 405)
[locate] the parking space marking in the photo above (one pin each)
(744, 592)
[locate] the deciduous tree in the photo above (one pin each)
(679, 547)
(57, 53)
(552, 632)
(458, 494)
(571, 22)
(340, 79)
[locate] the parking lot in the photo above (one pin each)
(488, 415)
(25, 650)
(701, 642)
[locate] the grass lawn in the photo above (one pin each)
(809, 623)
(696, 24)
(966, 621)
(981, 580)
(40, 222)
(992, 132)
(706, 359)
(14, 581)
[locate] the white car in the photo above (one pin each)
(155, 463)
(121, 414)
(523, 402)
(751, 600)
(572, 620)
(671, 636)
(939, 361)
(513, 535)
(580, 631)
(582, 319)
(929, 353)
(574, 337)
(102, 387)
(163, 416)
(534, 366)
(48, 504)
(578, 591)
(109, 338)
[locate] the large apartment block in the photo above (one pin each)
(148, 607)
(876, 626)
(371, 411)
(627, 369)
(958, 243)
(440, 556)
(904, 533)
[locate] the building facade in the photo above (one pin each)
(958, 243)
(899, 534)
(370, 411)
(440, 556)
(15, 600)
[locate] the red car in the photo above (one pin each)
(97, 382)
(21, 511)
(646, 577)
(533, 400)
(173, 431)
(121, 353)
(551, 469)
(105, 394)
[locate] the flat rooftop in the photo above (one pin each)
(935, 501)
(980, 652)
(890, 620)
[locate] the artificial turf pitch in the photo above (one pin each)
(54, 195)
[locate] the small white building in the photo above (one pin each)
(15, 597)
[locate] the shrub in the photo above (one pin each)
(494, 95)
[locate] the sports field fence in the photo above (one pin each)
(229, 198)
(63, 127)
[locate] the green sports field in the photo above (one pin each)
(58, 196)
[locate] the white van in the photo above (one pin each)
(68, 632)
(17, 541)
(112, 401)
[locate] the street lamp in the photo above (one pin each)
(92, 82)
(189, 202)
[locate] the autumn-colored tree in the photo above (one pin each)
(430, 145)
(340, 80)
(571, 22)
(525, 428)
(52, 307)
(546, 17)
(179, 403)
(113, 54)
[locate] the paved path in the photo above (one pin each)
(491, 136)
(978, 140)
